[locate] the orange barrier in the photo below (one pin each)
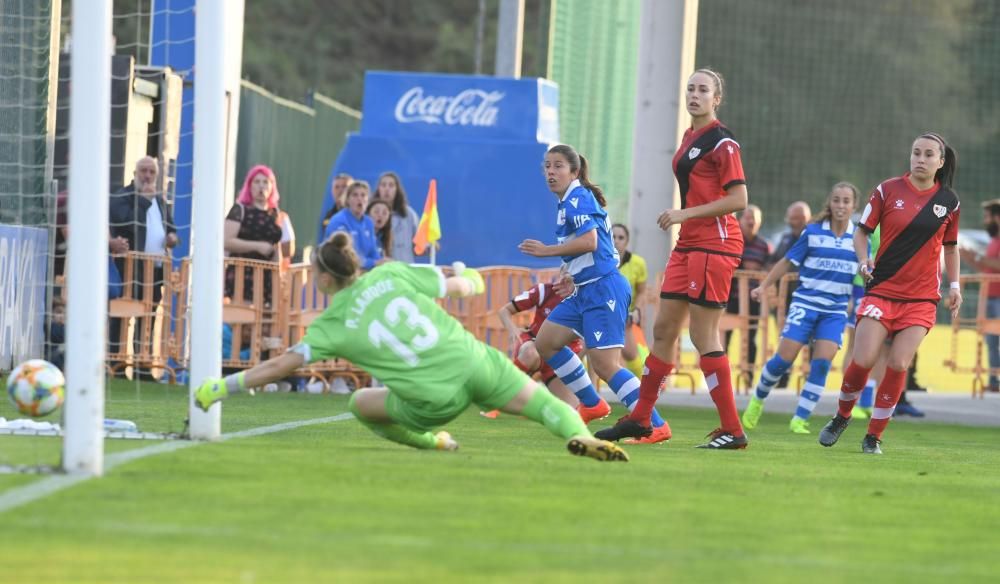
(144, 335)
(250, 313)
(271, 327)
(301, 303)
(977, 285)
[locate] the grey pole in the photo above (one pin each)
(509, 38)
(480, 35)
(666, 57)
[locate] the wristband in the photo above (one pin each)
(956, 286)
(235, 382)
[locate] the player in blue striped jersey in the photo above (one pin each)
(597, 299)
(824, 254)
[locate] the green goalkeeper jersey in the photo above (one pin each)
(388, 324)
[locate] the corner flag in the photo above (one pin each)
(429, 229)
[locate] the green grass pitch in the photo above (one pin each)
(334, 503)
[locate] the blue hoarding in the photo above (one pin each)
(482, 138)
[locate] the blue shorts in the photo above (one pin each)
(804, 324)
(857, 293)
(596, 311)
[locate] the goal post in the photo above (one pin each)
(87, 298)
(207, 207)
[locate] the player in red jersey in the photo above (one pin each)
(542, 298)
(710, 176)
(918, 216)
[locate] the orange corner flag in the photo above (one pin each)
(429, 229)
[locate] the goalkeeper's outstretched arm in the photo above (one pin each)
(214, 389)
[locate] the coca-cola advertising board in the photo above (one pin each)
(422, 105)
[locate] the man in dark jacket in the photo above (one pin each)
(139, 214)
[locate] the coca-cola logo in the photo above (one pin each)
(471, 107)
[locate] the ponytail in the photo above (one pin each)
(336, 256)
(585, 181)
(946, 174)
(578, 163)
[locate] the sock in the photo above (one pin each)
(626, 387)
(556, 415)
(854, 381)
(570, 370)
(396, 432)
(885, 400)
(867, 399)
(718, 377)
(649, 389)
(815, 383)
(773, 371)
(635, 365)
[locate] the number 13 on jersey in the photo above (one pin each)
(402, 311)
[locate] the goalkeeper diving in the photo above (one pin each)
(387, 323)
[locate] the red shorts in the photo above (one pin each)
(699, 277)
(895, 315)
(544, 371)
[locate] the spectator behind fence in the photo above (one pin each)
(140, 220)
(353, 220)
(381, 214)
(756, 253)
(147, 227)
(797, 216)
(404, 221)
(989, 263)
(252, 229)
(287, 239)
(338, 190)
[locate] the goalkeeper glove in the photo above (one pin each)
(473, 276)
(214, 389)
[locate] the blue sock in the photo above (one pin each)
(867, 399)
(626, 387)
(818, 370)
(773, 370)
(570, 370)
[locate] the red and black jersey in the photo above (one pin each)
(914, 226)
(706, 164)
(542, 298)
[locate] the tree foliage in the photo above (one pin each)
(293, 46)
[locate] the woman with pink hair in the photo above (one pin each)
(252, 229)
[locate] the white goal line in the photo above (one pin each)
(32, 492)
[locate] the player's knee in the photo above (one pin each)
(529, 357)
(352, 406)
(818, 370)
(899, 362)
(666, 327)
(360, 405)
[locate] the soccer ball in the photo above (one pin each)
(36, 388)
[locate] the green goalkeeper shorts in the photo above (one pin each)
(492, 384)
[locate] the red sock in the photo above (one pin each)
(719, 378)
(855, 379)
(649, 388)
(885, 400)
